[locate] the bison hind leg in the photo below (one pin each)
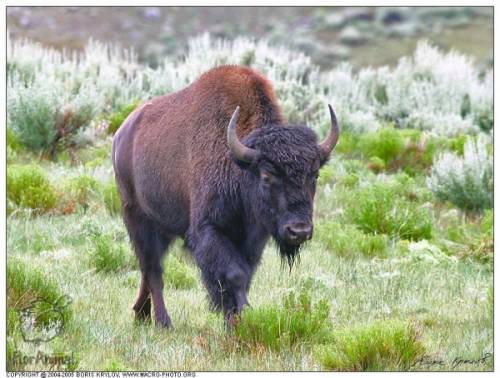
(142, 306)
(150, 244)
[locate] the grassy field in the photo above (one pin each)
(398, 275)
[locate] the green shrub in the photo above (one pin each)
(385, 144)
(413, 94)
(457, 144)
(379, 209)
(484, 248)
(349, 180)
(109, 255)
(418, 153)
(177, 275)
(33, 298)
(467, 238)
(31, 114)
(383, 345)
(276, 327)
(113, 365)
(12, 140)
(325, 175)
(376, 164)
(348, 143)
(487, 223)
(466, 182)
(116, 119)
(392, 149)
(100, 151)
(28, 186)
(45, 114)
(82, 188)
(111, 198)
(12, 156)
(13, 337)
(490, 303)
(484, 120)
(348, 241)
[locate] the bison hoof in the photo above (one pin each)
(232, 320)
(142, 317)
(143, 313)
(164, 322)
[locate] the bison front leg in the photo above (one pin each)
(225, 273)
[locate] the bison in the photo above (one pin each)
(216, 165)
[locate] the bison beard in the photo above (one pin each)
(189, 165)
(289, 253)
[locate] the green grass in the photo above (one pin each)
(26, 285)
(379, 209)
(348, 240)
(296, 321)
(386, 144)
(178, 275)
(37, 308)
(108, 255)
(116, 119)
(29, 187)
(449, 297)
(82, 189)
(380, 346)
(362, 297)
(111, 198)
(390, 149)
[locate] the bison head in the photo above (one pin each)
(283, 163)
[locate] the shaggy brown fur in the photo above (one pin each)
(177, 177)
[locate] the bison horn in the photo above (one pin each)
(331, 140)
(239, 150)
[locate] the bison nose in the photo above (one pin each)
(296, 233)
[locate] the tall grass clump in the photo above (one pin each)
(466, 181)
(29, 187)
(116, 119)
(111, 198)
(177, 274)
(297, 321)
(385, 144)
(379, 209)
(348, 241)
(109, 255)
(82, 189)
(37, 307)
(390, 149)
(380, 346)
(468, 239)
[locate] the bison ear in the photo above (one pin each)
(241, 163)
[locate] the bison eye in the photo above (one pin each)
(267, 178)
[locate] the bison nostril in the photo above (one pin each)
(290, 231)
(298, 231)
